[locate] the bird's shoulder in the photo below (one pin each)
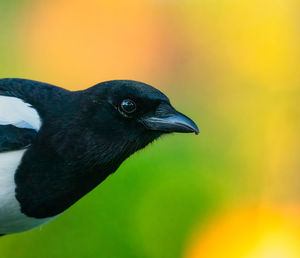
(19, 123)
(19, 118)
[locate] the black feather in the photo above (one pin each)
(83, 139)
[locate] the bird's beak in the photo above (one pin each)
(167, 119)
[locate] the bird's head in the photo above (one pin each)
(129, 114)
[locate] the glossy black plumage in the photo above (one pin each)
(14, 138)
(84, 137)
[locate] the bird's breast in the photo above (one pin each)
(12, 220)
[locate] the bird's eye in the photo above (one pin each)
(128, 106)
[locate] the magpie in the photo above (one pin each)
(56, 145)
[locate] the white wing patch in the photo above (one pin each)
(14, 111)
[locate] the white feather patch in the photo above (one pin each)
(14, 111)
(12, 220)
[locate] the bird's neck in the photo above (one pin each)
(62, 178)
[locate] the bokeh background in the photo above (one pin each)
(233, 66)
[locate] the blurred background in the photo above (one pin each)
(233, 66)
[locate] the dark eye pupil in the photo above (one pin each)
(128, 106)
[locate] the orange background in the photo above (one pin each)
(233, 66)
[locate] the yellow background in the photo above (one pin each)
(231, 65)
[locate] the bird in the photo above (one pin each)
(57, 145)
